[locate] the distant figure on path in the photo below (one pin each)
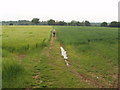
(54, 33)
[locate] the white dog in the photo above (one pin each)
(63, 52)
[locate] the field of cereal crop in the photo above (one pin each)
(30, 52)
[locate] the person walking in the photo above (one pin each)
(54, 33)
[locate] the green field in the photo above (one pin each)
(19, 38)
(20, 45)
(92, 50)
(31, 53)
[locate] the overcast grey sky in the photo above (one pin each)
(67, 10)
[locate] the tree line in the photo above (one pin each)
(112, 24)
(36, 21)
(72, 23)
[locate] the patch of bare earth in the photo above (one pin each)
(37, 79)
(21, 56)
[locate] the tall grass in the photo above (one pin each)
(17, 41)
(12, 71)
(101, 40)
(92, 50)
(23, 38)
(26, 47)
(84, 35)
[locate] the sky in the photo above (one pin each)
(119, 11)
(67, 10)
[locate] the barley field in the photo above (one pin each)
(32, 57)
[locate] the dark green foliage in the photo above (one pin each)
(51, 22)
(35, 20)
(114, 24)
(11, 24)
(87, 23)
(79, 23)
(62, 23)
(104, 24)
(73, 23)
(118, 24)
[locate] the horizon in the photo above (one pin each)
(59, 20)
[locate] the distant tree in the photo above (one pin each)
(51, 22)
(82, 23)
(69, 23)
(35, 21)
(61, 23)
(87, 23)
(24, 22)
(114, 24)
(43, 23)
(104, 24)
(73, 23)
(11, 24)
(78, 23)
(118, 24)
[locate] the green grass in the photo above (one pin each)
(13, 73)
(54, 73)
(20, 38)
(21, 45)
(92, 50)
(84, 35)
(30, 60)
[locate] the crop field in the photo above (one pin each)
(32, 57)
(19, 42)
(92, 50)
(18, 38)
